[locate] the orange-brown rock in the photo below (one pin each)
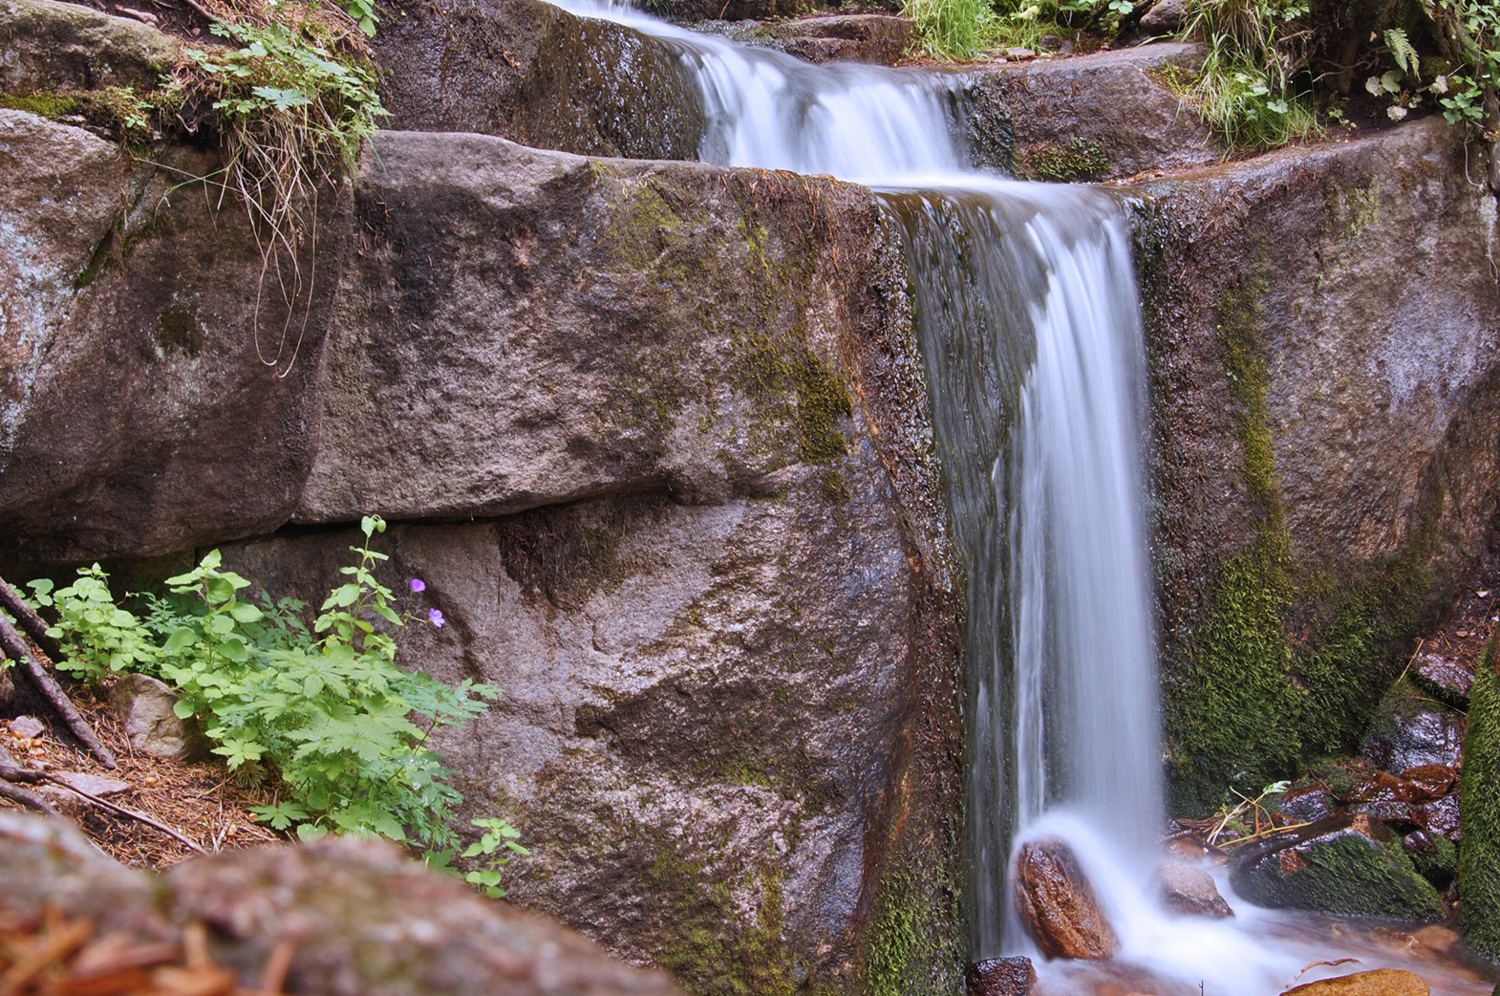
(1057, 904)
(1381, 982)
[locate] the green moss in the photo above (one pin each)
(703, 954)
(911, 945)
(795, 382)
(1440, 866)
(1284, 661)
(44, 105)
(1077, 162)
(1349, 875)
(1479, 850)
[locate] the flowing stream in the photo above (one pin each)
(1026, 303)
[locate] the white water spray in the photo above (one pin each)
(1026, 301)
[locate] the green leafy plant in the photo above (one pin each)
(495, 847)
(326, 711)
(1246, 87)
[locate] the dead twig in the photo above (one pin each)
(142, 817)
(30, 800)
(31, 623)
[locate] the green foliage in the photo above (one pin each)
(1266, 59)
(496, 847)
(326, 710)
(952, 29)
(1246, 88)
(961, 29)
(297, 101)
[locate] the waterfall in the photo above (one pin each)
(1026, 305)
(1027, 310)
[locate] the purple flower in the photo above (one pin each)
(417, 584)
(436, 615)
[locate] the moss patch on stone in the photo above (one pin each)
(1349, 875)
(1285, 661)
(1079, 161)
(911, 946)
(1479, 850)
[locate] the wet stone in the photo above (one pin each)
(1410, 732)
(1057, 904)
(1444, 676)
(1306, 803)
(1440, 816)
(1347, 864)
(1381, 982)
(1190, 891)
(1012, 976)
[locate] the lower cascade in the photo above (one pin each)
(1026, 304)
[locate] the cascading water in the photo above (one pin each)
(1026, 304)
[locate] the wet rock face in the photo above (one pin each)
(1409, 732)
(1057, 904)
(1190, 891)
(707, 566)
(1093, 117)
(1350, 865)
(535, 74)
(359, 918)
(680, 415)
(1322, 436)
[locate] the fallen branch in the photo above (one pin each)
(30, 800)
(14, 647)
(31, 623)
(142, 817)
(10, 771)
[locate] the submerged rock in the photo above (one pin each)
(1190, 891)
(1013, 976)
(1350, 865)
(1381, 982)
(1057, 904)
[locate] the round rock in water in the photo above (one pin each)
(1381, 982)
(1190, 891)
(1057, 904)
(1011, 976)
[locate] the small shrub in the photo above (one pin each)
(326, 710)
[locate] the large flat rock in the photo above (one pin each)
(1094, 117)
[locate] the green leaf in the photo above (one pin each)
(245, 613)
(182, 710)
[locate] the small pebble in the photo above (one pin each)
(27, 727)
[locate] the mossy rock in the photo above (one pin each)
(1351, 866)
(1479, 849)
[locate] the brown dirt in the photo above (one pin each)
(204, 802)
